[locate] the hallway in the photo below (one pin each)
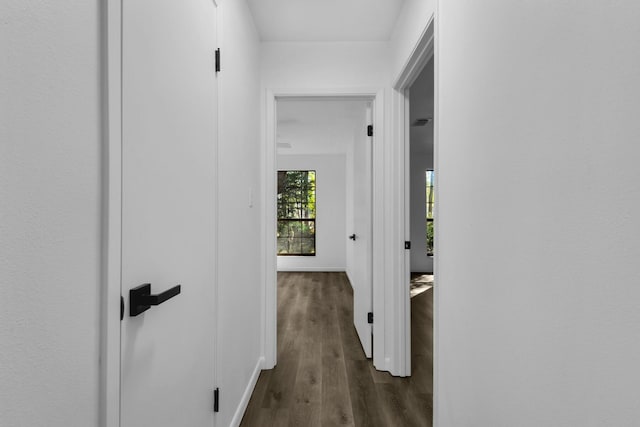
(323, 378)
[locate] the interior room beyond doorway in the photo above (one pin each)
(316, 138)
(422, 174)
(324, 195)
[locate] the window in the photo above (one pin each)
(430, 204)
(296, 213)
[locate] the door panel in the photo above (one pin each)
(362, 277)
(168, 210)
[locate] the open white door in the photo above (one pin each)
(362, 232)
(169, 104)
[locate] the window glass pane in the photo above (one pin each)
(430, 210)
(296, 212)
(282, 246)
(430, 206)
(308, 246)
(307, 229)
(430, 237)
(295, 229)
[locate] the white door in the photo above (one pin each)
(362, 228)
(169, 104)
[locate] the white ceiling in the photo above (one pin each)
(318, 126)
(325, 20)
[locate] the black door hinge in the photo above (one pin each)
(218, 60)
(407, 245)
(369, 317)
(370, 130)
(216, 400)
(121, 307)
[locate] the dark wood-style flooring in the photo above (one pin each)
(323, 378)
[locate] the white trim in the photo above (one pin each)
(397, 291)
(422, 52)
(112, 227)
(216, 205)
(246, 396)
(312, 269)
(406, 273)
(420, 55)
(269, 262)
(436, 215)
(380, 164)
(378, 243)
(349, 279)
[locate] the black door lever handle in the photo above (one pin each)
(353, 237)
(141, 300)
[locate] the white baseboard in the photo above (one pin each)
(312, 269)
(246, 396)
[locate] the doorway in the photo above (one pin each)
(421, 204)
(415, 99)
(287, 151)
(323, 224)
(421, 177)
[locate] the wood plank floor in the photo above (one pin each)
(323, 377)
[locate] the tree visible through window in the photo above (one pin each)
(430, 204)
(296, 213)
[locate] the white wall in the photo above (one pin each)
(548, 119)
(421, 160)
(240, 321)
(324, 65)
(331, 232)
(50, 146)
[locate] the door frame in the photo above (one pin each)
(111, 209)
(109, 406)
(269, 189)
(421, 54)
